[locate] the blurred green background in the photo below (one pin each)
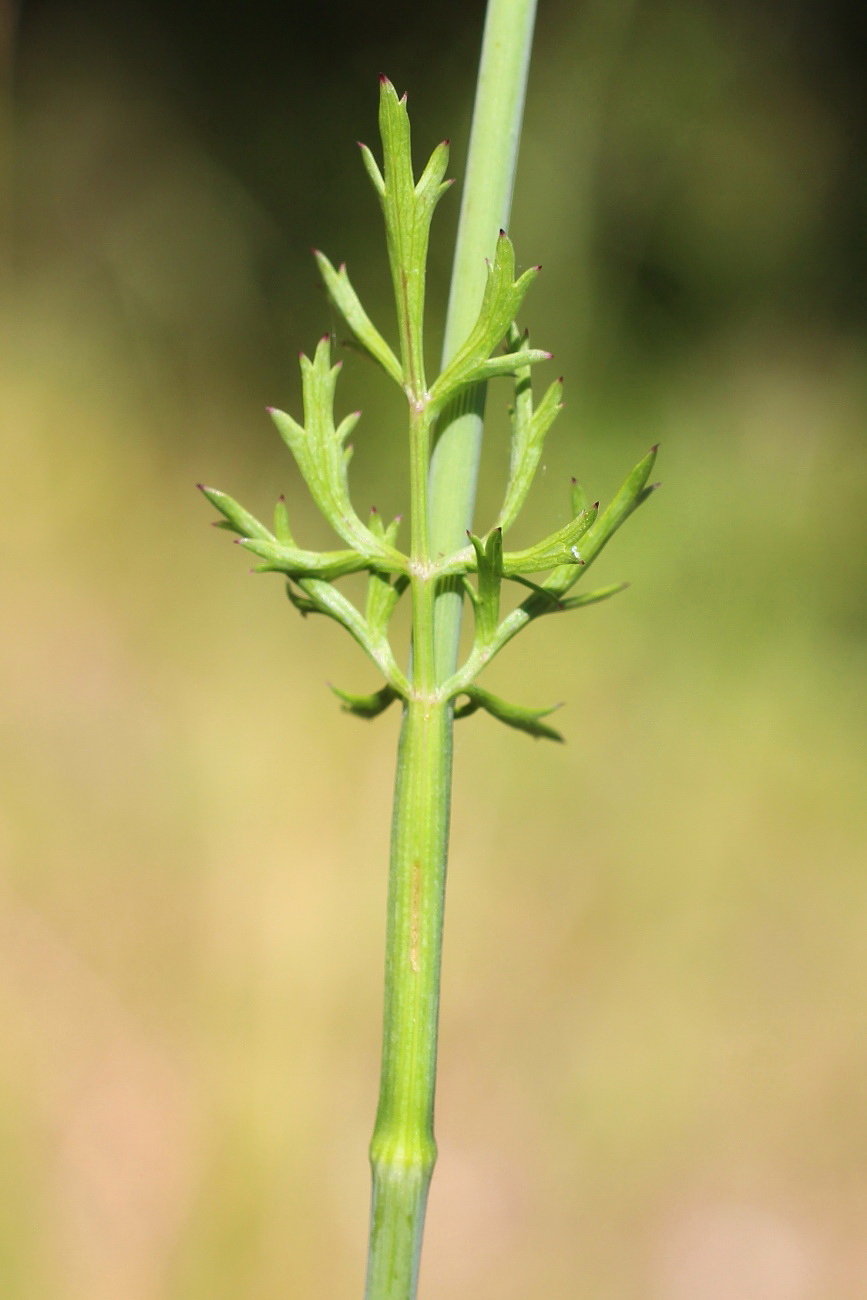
(653, 1060)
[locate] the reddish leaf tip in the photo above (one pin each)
(373, 510)
(573, 480)
(200, 486)
(282, 497)
(655, 447)
(595, 505)
(383, 79)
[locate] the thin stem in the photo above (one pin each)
(403, 1149)
(485, 209)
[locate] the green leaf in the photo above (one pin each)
(593, 597)
(632, 494)
(297, 563)
(366, 706)
(281, 524)
(557, 549)
(302, 603)
(578, 499)
(513, 715)
(382, 596)
(408, 209)
(529, 428)
(318, 448)
(347, 302)
(237, 519)
(502, 298)
(489, 559)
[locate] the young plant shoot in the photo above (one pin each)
(433, 689)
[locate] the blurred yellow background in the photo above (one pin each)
(653, 1056)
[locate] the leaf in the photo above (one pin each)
(302, 603)
(529, 427)
(366, 706)
(593, 597)
(558, 548)
(237, 518)
(578, 499)
(632, 494)
(347, 302)
(502, 298)
(513, 715)
(382, 596)
(318, 448)
(408, 209)
(489, 558)
(297, 563)
(281, 524)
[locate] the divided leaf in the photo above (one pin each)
(318, 448)
(347, 302)
(472, 363)
(489, 560)
(366, 706)
(408, 208)
(237, 519)
(632, 494)
(558, 548)
(513, 715)
(529, 428)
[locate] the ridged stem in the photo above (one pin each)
(403, 1150)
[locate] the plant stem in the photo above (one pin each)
(485, 209)
(403, 1150)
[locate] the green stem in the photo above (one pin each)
(403, 1149)
(485, 210)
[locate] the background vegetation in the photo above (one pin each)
(653, 1053)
